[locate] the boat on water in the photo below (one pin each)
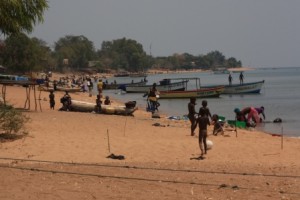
(122, 85)
(121, 74)
(139, 74)
(245, 88)
(197, 93)
(82, 106)
(164, 85)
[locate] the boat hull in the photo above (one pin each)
(117, 86)
(246, 88)
(82, 106)
(177, 86)
(200, 93)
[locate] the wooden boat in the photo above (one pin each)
(121, 74)
(138, 74)
(118, 85)
(59, 88)
(68, 89)
(197, 93)
(246, 88)
(165, 85)
(82, 106)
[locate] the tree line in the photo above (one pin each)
(20, 53)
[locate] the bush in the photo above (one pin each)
(11, 120)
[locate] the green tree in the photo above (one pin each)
(124, 54)
(21, 15)
(77, 49)
(232, 63)
(22, 54)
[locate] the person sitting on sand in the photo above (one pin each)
(203, 121)
(107, 101)
(191, 115)
(66, 101)
(217, 125)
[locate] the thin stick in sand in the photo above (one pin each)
(108, 141)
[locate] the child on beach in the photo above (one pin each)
(203, 122)
(98, 103)
(52, 100)
(107, 101)
(206, 109)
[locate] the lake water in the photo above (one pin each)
(280, 96)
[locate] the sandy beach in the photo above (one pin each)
(64, 156)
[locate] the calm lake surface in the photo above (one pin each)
(280, 96)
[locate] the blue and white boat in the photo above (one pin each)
(245, 88)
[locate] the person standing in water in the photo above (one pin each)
(241, 78)
(230, 79)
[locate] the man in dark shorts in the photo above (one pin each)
(191, 115)
(52, 100)
(203, 122)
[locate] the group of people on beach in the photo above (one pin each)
(250, 115)
(201, 118)
(66, 99)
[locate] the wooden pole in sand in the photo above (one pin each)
(235, 127)
(108, 141)
(125, 125)
(282, 137)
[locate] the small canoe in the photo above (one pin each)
(82, 106)
(199, 93)
(67, 89)
(165, 85)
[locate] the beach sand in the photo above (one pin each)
(64, 157)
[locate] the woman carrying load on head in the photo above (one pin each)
(152, 97)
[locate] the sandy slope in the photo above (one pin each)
(159, 161)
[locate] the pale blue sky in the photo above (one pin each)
(260, 33)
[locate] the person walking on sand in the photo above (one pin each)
(52, 100)
(191, 115)
(90, 86)
(100, 87)
(203, 121)
(241, 78)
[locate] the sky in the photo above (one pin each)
(260, 33)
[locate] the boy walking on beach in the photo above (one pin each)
(203, 122)
(52, 100)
